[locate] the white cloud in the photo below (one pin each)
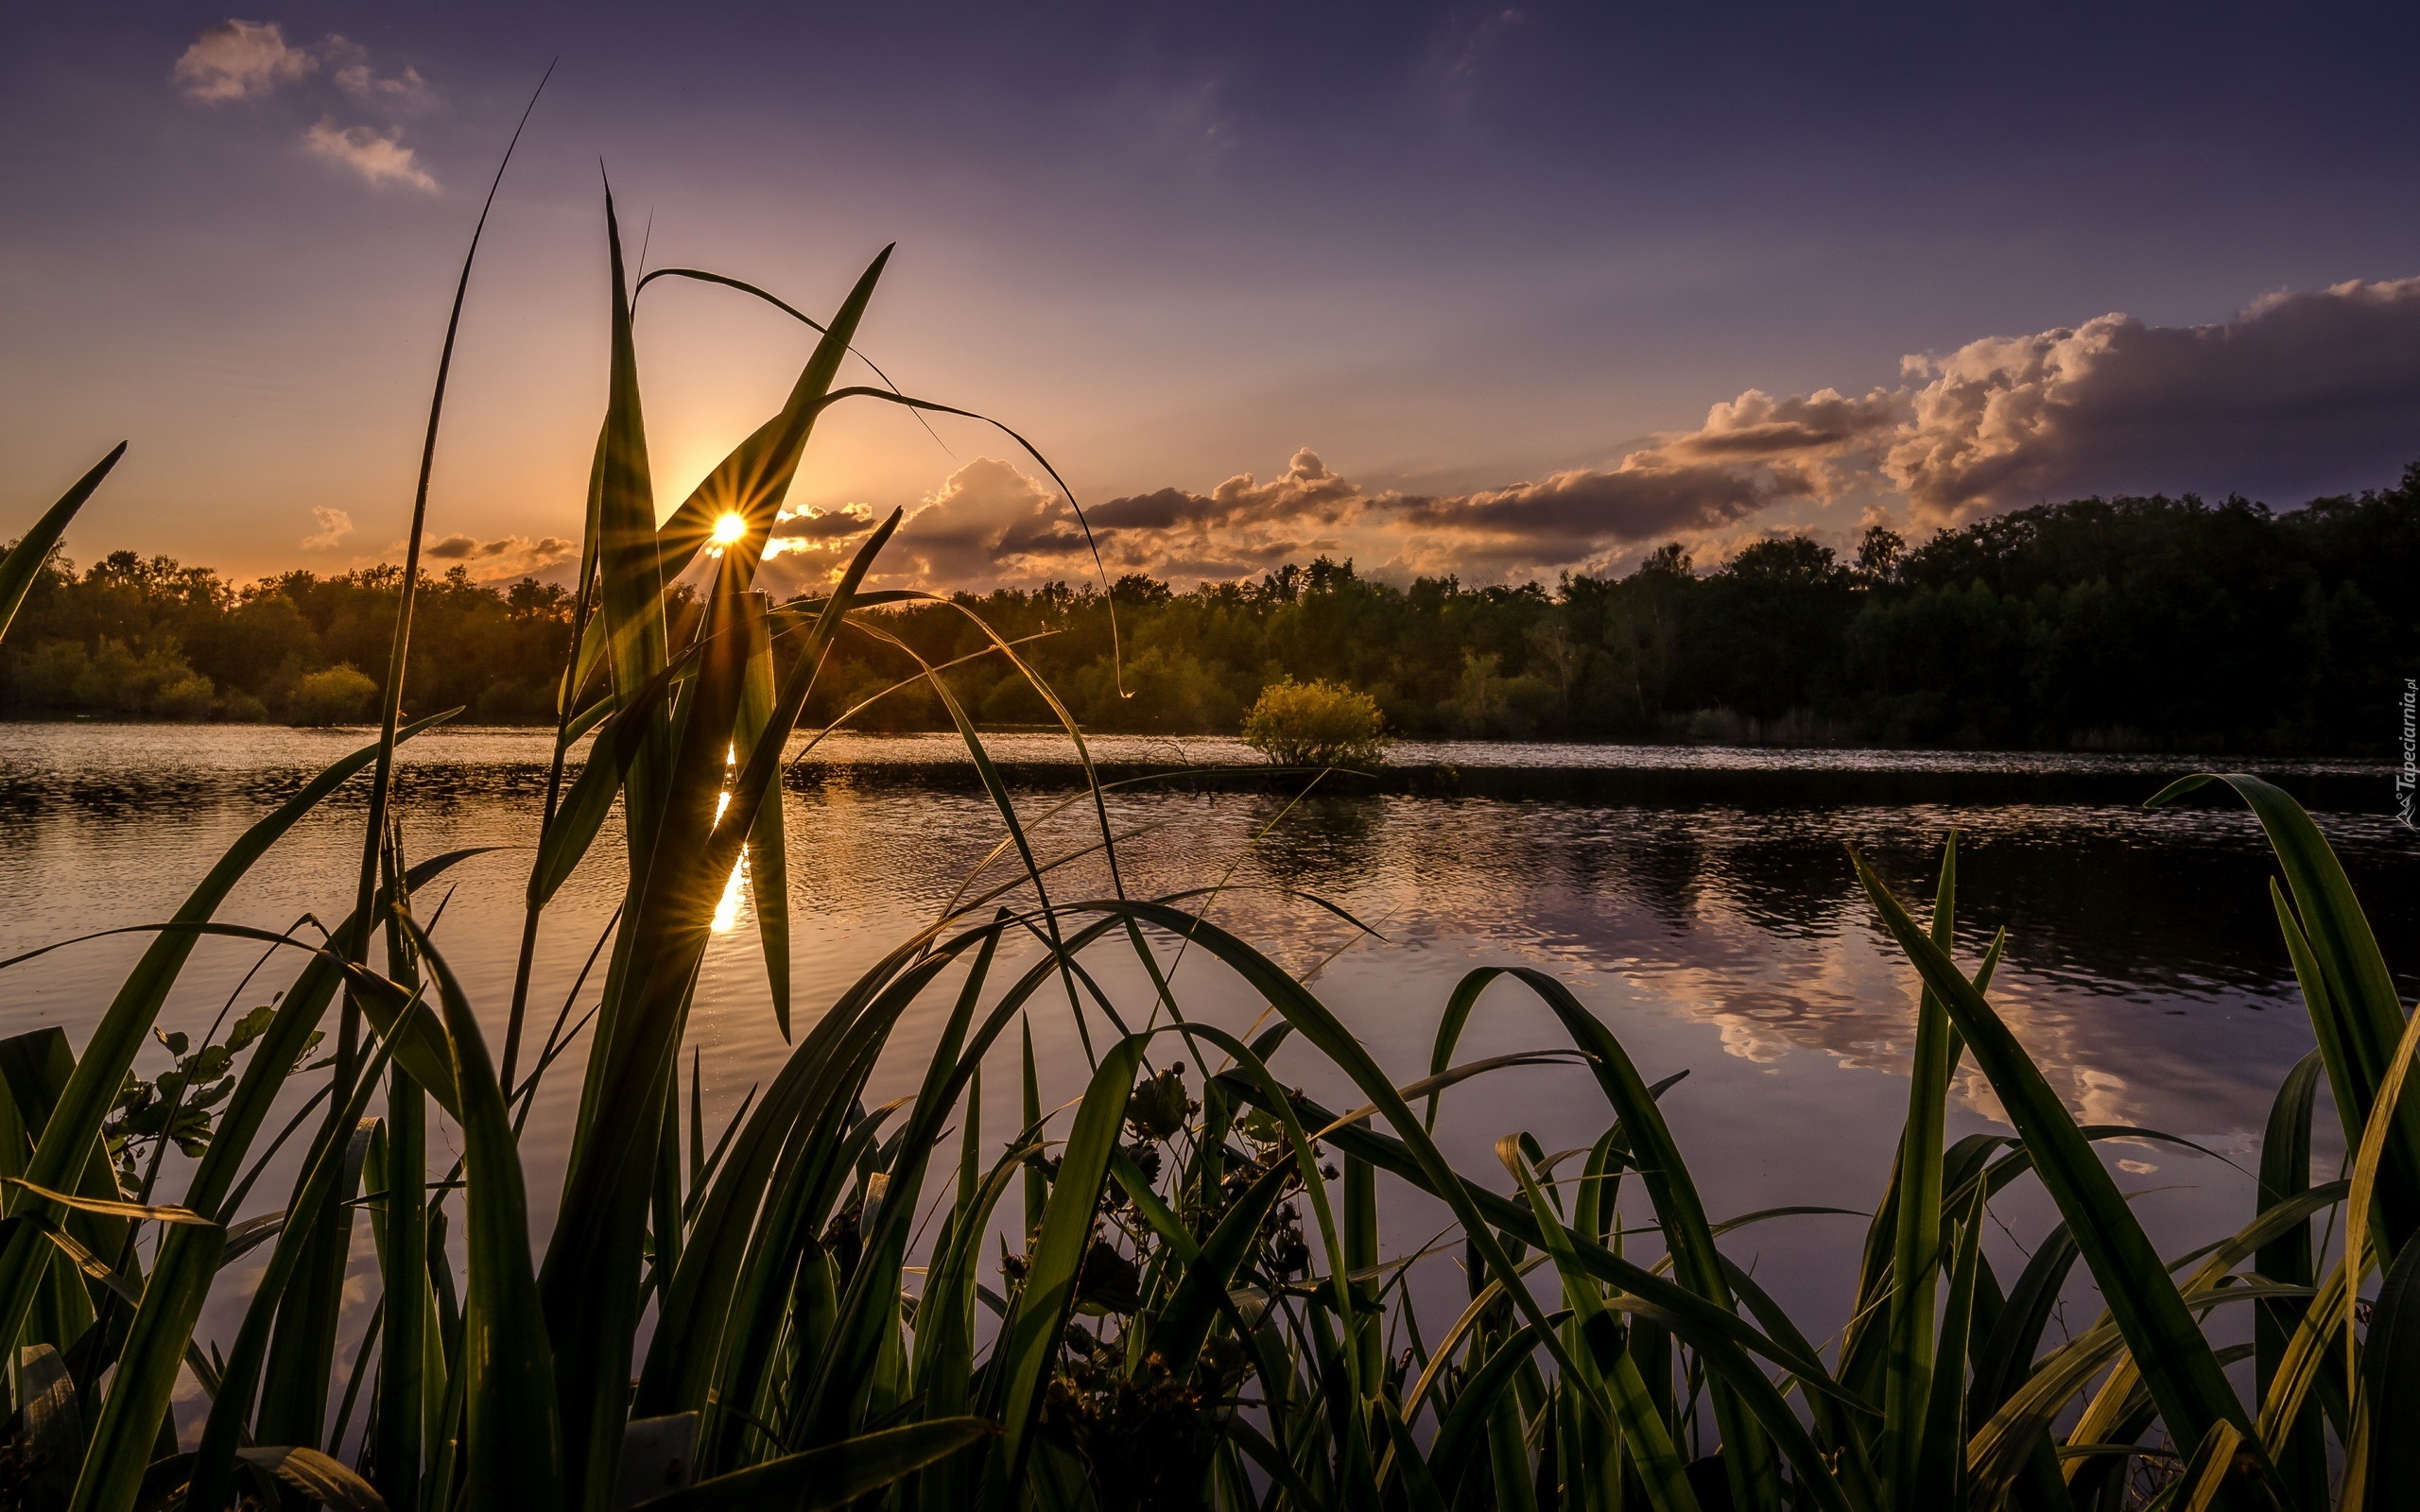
(378, 158)
(335, 524)
(2302, 391)
(239, 60)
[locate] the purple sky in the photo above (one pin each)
(1476, 289)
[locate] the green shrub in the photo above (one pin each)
(188, 698)
(241, 708)
(45, 676)
(115, 678)
(1316, 724)
(338, 696)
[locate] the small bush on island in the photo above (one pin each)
(1316, 724)
(339, 695)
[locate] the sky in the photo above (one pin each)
(1497, 291)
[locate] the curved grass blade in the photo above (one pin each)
(25, 560)
(2372, 1176)
(53, 1426)
(834, 1476)
(324, 1480)
(107, 1208)
(215, 1189)
(2358, 1018)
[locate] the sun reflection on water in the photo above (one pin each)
(727, 912)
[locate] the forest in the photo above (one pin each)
(2131, 622)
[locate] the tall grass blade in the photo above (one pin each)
(2285, 1173)
(399, 650)
(1908, 1370)
(513, 1445)
(768, 879)
(230, 1411)
(1696, 1263)
(1607, 1370)
(1032, 1331)
(67, 1137)
(403, 1255)
(2190, 1390)
(2391, 1384)
(137, 1401)
(590, 1278)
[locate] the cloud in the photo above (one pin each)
(990, 515)
(239, 60)
(252, 59)
(986, 520)
(1577, 518)
(2301, 394)
(2302, 391)
(793, 531)
(335, 524)
(505, 557)
(379, 158)
(354, 73)
(1306, 491)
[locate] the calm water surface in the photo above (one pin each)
(1700, 899)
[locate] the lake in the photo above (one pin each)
(1700, 899)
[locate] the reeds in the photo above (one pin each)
(1199, 1307)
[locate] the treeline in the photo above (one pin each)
(2104, 623)
(2151, 623)
(148, 637)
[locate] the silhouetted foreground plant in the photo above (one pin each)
(1203, 1311)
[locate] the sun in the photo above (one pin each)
(729, 528)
